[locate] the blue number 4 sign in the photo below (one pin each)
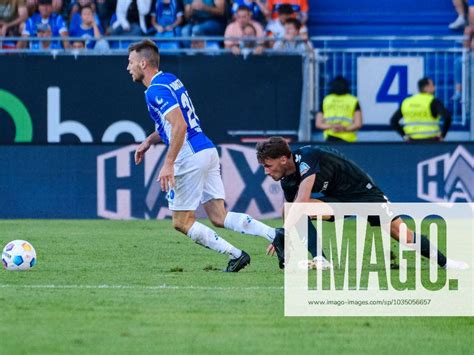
(395, 72)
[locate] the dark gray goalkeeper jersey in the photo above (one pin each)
(337, 178)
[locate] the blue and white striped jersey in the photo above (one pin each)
(165, 93)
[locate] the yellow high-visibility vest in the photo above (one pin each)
(339, 109)
(419, 122)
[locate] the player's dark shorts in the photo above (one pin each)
(374, 195)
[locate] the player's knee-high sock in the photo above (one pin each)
(206, 237)
(426, 249)
(313, 240)
(243, 223)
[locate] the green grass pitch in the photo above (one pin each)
(130, 287)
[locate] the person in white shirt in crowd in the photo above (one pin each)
(130, 18)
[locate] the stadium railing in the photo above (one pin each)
(119, 44)
(339, 56)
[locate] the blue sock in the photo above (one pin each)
(426, 249)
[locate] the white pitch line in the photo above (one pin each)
(162, 287)
(138, 287)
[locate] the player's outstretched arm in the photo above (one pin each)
(304, 195)
(145, 145)
(304, 191)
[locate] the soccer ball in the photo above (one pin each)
(18, 255)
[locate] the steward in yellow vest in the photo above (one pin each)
(421, 115)
(340, 116)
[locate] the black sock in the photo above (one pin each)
(425, 247)
(313, 240)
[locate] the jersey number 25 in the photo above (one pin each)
(189, 108)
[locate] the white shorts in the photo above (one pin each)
(198, 180)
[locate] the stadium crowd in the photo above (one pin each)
(248, 25)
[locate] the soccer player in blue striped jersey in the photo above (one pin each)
(191, 171)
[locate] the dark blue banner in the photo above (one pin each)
(92, 99)
(103, 181)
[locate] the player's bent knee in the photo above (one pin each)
(182, 223)
(217, 221)
(216, 212)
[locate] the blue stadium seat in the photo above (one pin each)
(371, 17)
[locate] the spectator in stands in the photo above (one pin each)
(276, 28)
(44, 31)
(12, 15)
(421, 114)
(75, 19)
(460, 22)
(470, 9)
(468, 43)
(105, 10)
(88, 28)
(292, 40)
(75, 6)
(167, 19)
(204, 18)
(78, 44)
(44, 15)
(32, 6)
(300, 8)
(249, 44)
(235, 29)
(258, 9)
(340, 116)
(130, 18)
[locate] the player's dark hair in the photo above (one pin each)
(295, 22)
(243, 8)
(273, 148)
(147, 49)
(422, 83)
(339, 86)
(285, 9)
(86, 7)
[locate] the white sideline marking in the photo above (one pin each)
(138, 287)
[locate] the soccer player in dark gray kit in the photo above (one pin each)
(312, 169)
